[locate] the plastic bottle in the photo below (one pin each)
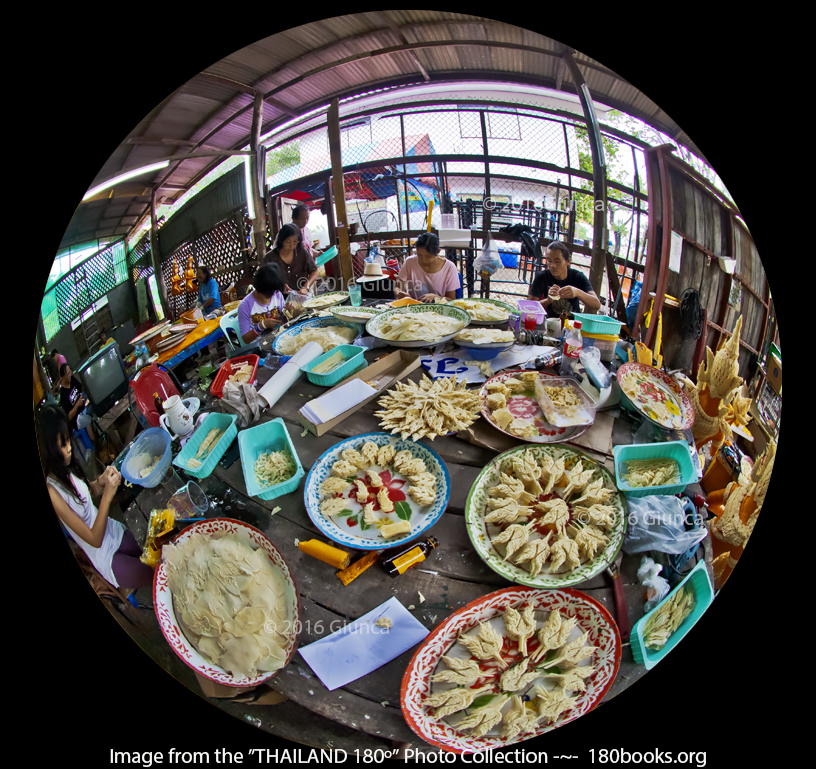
(572, 349)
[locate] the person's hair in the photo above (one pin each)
(268, 280)
(206, 271)
(286, 232)
(52, 425)
(557, 245)
(429, 242)
(298, 209)
(62, 369)
(54, 352)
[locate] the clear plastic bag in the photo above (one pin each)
(657, 588)
(489, 260)
(590, 358)
(658, 523)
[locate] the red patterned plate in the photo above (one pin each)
(591, 618)
(524, 405)
(653, 384)
(165, 613)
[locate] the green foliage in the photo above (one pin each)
(286, 156)
(403, 510)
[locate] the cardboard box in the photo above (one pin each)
(385, 371)
(774, 373)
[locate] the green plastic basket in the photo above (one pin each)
(351, 353)
(267, 436)
(676, 450)
(225, 422)
(598, 324)
(703, 596)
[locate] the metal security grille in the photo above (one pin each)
(82, 286)
(139, 259)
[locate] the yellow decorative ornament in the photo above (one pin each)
(717, 383)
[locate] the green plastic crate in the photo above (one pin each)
(267, 436)
(225, 422)
(703, 595)
(676, 450)
(351, 353)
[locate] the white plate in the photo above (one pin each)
(347, 529)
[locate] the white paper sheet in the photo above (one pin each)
(448, 364)
(327, 407)
(675, 251)
(361, 647)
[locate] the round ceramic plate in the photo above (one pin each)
(653, 385)
(466, 303)
(524, 406)
(315, 323)
(470, 345)
(376, 323)
(171, 341)
(354, 314)
(482, 534)
(326, 300)
(150, 332)
(348, 528)
(165, 611)
(591, 618)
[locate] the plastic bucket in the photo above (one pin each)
(151, 444)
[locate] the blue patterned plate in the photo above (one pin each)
(348, 527)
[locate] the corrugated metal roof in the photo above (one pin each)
(216, 114)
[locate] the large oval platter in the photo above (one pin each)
(590, 617)
(524, 406)
(323, 301)
(651, 387)
(166, 616)
(348, 528)
(482, 534)
(315, 323)
(375, 325)
(507, 308)
(354, 314)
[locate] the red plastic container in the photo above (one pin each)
(228, 368)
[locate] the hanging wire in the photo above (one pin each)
(691, 314)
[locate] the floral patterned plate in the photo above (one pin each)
(348, 527)
(649, 386)
(524, 406)
(591, 618)
(481, 534)
(166, 615)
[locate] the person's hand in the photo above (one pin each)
(428, 298)
(568, 292)
(111, 479)
(304, 291)
(554, 292)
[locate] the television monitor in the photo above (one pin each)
(103, 378)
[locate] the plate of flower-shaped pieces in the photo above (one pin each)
(375, 490)
(226, 602)
(510, 405)
(546, 516)
(512, 665)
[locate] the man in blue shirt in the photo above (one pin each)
(209, 295)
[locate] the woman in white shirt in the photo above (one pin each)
(110, 547)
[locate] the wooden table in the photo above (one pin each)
(451, 577)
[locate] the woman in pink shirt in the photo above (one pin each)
(427, 276)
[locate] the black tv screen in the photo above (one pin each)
(103, 378)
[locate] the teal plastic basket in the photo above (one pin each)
(326, 255)
(267, 436)
(700, 583)
(676, 450)
(225, 422)
(598, 324)
(351, 353)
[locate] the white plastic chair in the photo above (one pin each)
(229, 323)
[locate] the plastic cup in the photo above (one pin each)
(355, 294)
(189, 501)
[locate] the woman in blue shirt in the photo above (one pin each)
(209, 295)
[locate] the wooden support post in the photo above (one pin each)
(257, 172)
(338, 187)
(600, 239)
(155, 256)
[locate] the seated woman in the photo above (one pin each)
(70, 396)
(209, 295)
(560, 287)
(427, 276)
(110, 547)
(297, 266)
(262, 308)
